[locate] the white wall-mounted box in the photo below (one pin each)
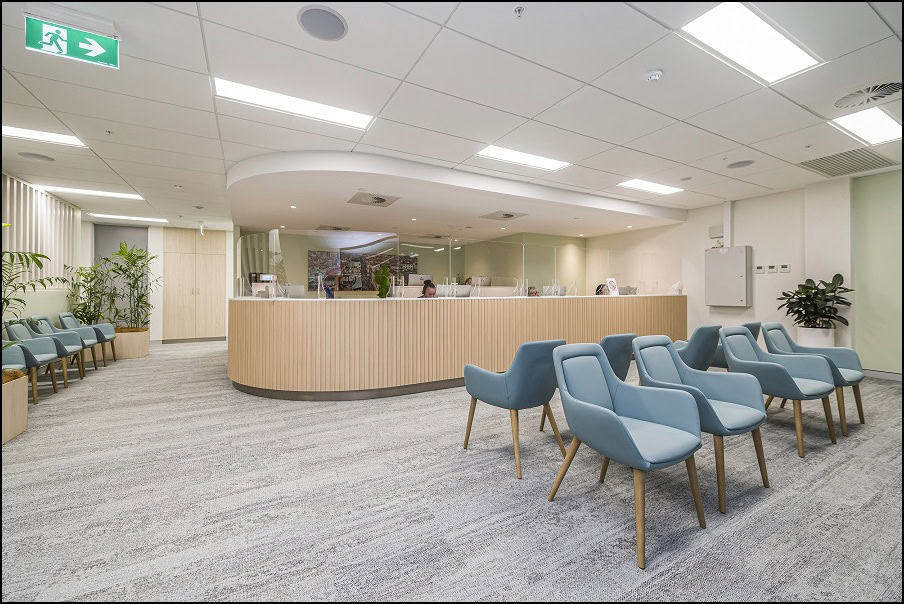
(728, 276)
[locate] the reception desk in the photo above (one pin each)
(345, 349)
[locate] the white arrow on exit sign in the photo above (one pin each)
(92, 47)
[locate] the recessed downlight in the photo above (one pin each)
(37, 156)
(740, 164)
(323, 23)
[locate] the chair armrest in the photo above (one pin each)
(738, 388)
(679, 344)
(106, 329)
(44, 345)
(85, 333)
(774, 379)
(602, 430)
(812, 367)
(487, 386)
(67, 338)
(842, 357)
(707, 415)
(661, 406)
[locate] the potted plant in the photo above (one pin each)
(15, 403)
(130, 271)
(814, 307)
(382, 279)
(91, 293)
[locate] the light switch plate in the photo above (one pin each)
(759, 269)
(784, 268)
(772, 268)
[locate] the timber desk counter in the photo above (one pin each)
(347, 349)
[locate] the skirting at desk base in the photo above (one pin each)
(350, 395)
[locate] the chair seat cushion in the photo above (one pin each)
(737, 417)
(12, 366)
(658, 443)
(851, 376)
(89, 343)
(43, 358)
(813, 387)
(72, 349)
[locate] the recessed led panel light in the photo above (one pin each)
(53, 189)
(872, 125)
(291, 104)
(523, 159)
(44, 137)
(138, 218)
(652, 187)
(734, 31)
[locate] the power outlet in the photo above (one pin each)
(759, 269)
(784, 268)
(772, 268)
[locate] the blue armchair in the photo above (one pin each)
(105, 332)
(699, 351)
(37, 352)
(719, 359)
(529, 382)
(76, 341)
(792, 376)
(644, 428)
(728, 403)
(844, 363)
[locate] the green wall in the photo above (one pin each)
(876, 246)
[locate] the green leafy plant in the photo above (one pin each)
(17, 270)
(381, 278)
(91, 292)
(816, 304)
(130, 269)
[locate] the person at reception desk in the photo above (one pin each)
(602, 290)
(429, 290)
(532, 291)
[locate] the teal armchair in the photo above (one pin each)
(700, 350)
(618, 350)
(76, 341)
(728, 403)
(105, 332)
(37, 352)
(643, 428)
(796, 377)
(844, 363)
(530, 382)
(719, 358)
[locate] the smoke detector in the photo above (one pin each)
(323, 23)
(364, 198)
(868, 95)
(654, 75)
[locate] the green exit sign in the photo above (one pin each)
(71, 43)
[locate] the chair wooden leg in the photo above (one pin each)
(827, 409)
(604, 468)
(94, 356)
(103, 354)
(543, 418)
(64, 362)
(514, 415)
(859, 403)
(33, 372)
(761, 459)
(784, 400)
(470, 419)
(113, 349)
(547, 411)
(719, 448)
(839, 398)
(769, 401)
(81, 364)
(572, 449)
(639, 519)
(52, 376)
(695, 489)
(798, 429)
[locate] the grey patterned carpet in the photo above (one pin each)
(156, 480)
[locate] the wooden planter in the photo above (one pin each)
(15, 407)
(129, 345)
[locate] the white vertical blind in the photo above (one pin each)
(40, 223)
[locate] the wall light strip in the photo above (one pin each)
(53, 189)
(290, 104)
(652, 187)
(871, 125)
(138, 218)
(524, 159)
(44, 137)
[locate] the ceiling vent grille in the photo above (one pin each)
(849, 162)
(868, 95)
(328, 227)
(504, 215)
(370, 199)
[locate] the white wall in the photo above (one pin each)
(155, 248)
(86, 245)
(809, 228)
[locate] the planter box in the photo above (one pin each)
(15, 407)
(130, 345)
(815, 337)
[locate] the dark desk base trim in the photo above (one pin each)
(349, 395)
(187, 340)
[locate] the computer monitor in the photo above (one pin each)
(417, 279)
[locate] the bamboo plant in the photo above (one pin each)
(91, 292)
(130, 269)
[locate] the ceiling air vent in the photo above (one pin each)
(504, 215)
(868, 95)
(849, 162)
(370, 199)
(328, 227)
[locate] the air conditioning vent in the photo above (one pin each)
(849, 162)
(328, 227)
(504, 215)
(370, 199)
(868, 95)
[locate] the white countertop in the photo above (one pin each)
(465, 298)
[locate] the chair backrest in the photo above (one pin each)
(739, 343)
(532, 377)
(701, 347)
(41, 324)
(657, 358)
(754, 329)
(68, 320)
(18, 331)
(777, 339)
(583, 372)
(618, 350)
